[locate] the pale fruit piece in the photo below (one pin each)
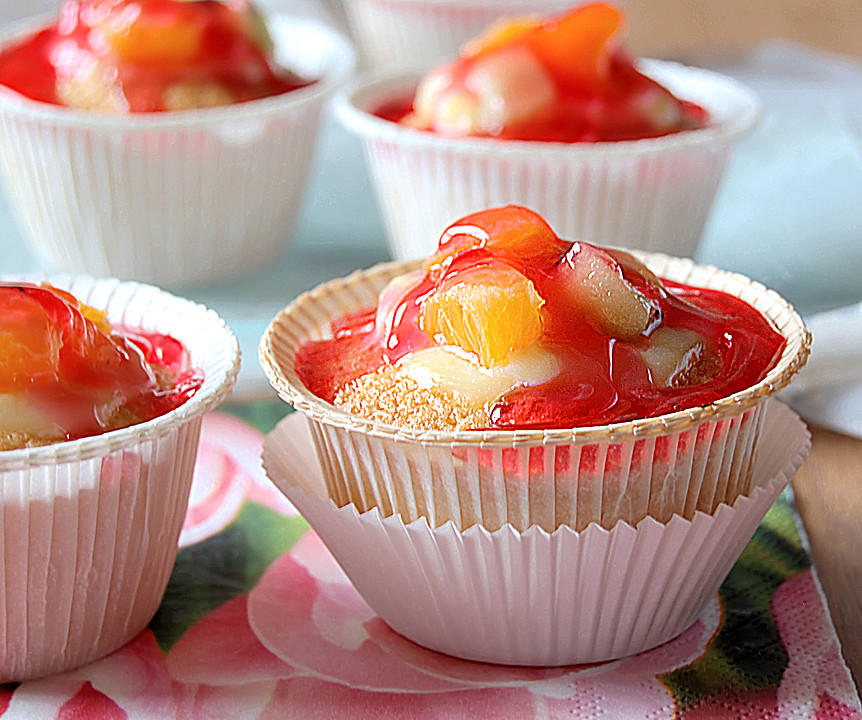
(595, 286)
(479, 386)
(679, 358)
(502, 89)
(511, 88)
(489, 311)
(193, 96)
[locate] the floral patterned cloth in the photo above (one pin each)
(259, 622)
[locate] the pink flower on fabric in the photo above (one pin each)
(305, 611)
(228, 472)
(816, 682)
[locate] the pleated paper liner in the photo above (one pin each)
(658, 467)
(533, 597)
(653, 194)
(174, 198)
(90, 527)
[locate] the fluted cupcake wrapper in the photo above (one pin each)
(89, 528)
(172, 198)
(407, 32)
(653, 194)
(533, 597)
(675, 464)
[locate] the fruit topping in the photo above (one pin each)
(562, 79)
(680, 358)
(598, 290)
(512, 232)
(65, 368)
(490, 311)
(509, 326)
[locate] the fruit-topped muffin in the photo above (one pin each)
(103, 387)
(566, 79)
(68, 373)
(508, 326)
(517, 377)
(163, 141)
(118, 56)
(556, 114)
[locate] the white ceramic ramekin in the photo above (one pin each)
(176, 198)
(533, 597)
(653, 194)
(675, 464)
(426, 32)
(89, 528)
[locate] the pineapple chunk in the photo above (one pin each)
(489, 311)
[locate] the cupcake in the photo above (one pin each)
(518, 378)
(568, 441)
(104, 385)
(557, 116)
(162, 140)
(414, 32)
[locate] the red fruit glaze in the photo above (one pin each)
(603, 379)
(209, 41)
(600, 96)
(67, 362)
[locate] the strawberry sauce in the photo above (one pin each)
(142, 48)
(604, 379)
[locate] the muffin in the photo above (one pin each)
(109, 382)
(413, 32)
(557, 116)
(579, 389)
(132, 148)
(462, 486)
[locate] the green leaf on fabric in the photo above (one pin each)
(220, 568)
(747, 656)
(263, 415)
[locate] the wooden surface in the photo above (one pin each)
(677, 28)
(828, 493)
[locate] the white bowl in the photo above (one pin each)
(90, 527)
(427, 32)
(175, 198)
(653, 194)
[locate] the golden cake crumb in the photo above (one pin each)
(391, 396)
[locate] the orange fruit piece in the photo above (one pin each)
(161, 34)
(490, 311)
(577, 47)
(501, 33)
(511, 232)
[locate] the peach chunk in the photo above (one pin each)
(490, 311)
(596, 287)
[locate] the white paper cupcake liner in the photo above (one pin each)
(678, 463)
(89, 528)
(537, 598)
(653, 194)
(170, 198)
(409, 32)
